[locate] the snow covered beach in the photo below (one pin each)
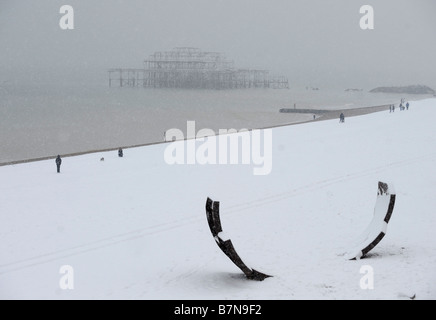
(135, 227)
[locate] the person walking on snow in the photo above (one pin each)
(407, 105)
(58, 163)
(342, 118)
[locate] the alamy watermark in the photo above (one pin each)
(67, 20)
(367, 20)
(66, 282)
(229, 147)
(367, 281)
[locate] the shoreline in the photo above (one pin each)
(327, 115)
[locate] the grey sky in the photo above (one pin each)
(312, 42)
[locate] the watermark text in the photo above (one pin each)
(229, 147)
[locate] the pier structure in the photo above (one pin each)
(191, 68)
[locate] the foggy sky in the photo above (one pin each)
(312, 42)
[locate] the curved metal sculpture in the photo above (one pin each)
(376, 230)
(213, 218)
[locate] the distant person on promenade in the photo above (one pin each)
(342, 117)
(58, 163)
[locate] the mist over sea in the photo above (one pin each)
(41, 120)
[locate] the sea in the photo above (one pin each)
(40, 120)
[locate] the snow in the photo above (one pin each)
(223, 236)
(135, 227)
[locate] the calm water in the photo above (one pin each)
(45, 120)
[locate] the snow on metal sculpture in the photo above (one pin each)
(376, 230)
(225, 244)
